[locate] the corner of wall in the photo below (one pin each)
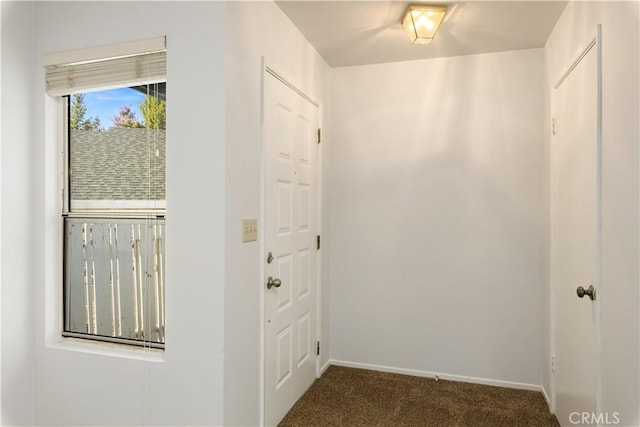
(279, 41)
(18, 363)
(545, 315)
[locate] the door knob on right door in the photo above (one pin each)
(591, 291)
(271, 282)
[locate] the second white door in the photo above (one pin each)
(291, 259)
(575, 231)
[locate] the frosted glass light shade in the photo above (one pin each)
(421, 22)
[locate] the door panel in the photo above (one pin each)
(291, 216)
(575, 240)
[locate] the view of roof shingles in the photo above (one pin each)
(118, 164)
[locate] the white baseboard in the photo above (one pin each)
(442, 376)
(324, 368)
(546, 398)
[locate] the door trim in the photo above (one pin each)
(595, 42)
(290, 86)
(267, 66)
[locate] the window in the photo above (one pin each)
(114, 210)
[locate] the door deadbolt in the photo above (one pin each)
(591, 291)
(269, 258)
(271, 282)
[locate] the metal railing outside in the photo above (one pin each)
(114, 280)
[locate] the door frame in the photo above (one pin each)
(594, 42)
(268, 65)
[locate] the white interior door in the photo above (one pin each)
(290, 217)
(575, 240)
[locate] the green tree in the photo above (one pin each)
(77, 119)
(78, 111)
(92, 123)
(154, 112)
(126, 118)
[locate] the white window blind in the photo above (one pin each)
(125, 64)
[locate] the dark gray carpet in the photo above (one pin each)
(358, 397)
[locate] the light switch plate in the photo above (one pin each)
(249, 230)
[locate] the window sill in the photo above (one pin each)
(107, 349)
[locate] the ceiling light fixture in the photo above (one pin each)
(422, 21)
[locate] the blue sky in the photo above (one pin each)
(105, 104)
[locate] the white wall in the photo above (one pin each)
(255, 30)
(18, 281)
(185, 386)
(437, 225)
(437, 213)
(78, 386)
(619, 291)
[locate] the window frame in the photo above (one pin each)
(68, 213)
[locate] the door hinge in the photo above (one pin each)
(318, 242)
(318, 348)
(319, 135)
(553, 126)
(553, 364)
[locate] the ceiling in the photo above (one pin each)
(368, 32)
